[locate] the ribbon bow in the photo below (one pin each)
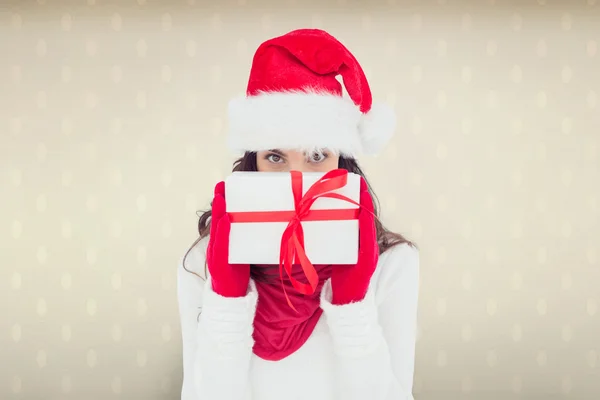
(292, 240)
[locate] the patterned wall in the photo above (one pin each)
(112, 121)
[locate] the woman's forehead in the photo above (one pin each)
(298, 152)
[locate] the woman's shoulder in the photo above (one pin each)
(405, 254)
(191, 280)
(398, 265)
(193, 260)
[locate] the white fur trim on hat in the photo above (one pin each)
(377, 128)
(305, 121)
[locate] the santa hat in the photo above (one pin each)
(294, 101)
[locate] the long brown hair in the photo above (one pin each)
(385, 238)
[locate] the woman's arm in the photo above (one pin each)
(374, 339)
(216, 337)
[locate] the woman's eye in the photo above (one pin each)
(317, 157)
(274, 158)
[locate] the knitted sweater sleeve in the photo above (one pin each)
(374, 340)
(216, 336)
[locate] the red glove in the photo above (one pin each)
(227, 280)
(350, 283)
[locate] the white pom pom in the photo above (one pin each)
(376, 128)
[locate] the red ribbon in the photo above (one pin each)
(292, 240)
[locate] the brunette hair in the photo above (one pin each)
(386, 239)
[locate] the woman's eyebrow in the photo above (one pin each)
(278, 152)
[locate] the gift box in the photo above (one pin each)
(265, 209)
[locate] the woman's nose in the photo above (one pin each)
(298, 166)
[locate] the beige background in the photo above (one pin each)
(112, 136)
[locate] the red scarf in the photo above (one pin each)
(279, 330)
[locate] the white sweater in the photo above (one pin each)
(359, 351)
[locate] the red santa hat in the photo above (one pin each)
(294, 101)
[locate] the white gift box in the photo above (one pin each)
(325, 241)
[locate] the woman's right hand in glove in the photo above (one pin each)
(228, 280)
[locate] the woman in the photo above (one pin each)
(354, 338)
